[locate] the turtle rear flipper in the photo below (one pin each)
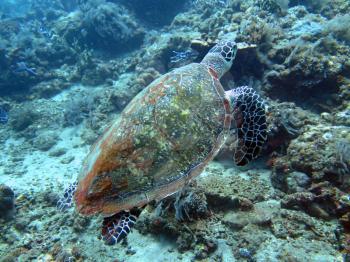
(250, 120)
(115, 228)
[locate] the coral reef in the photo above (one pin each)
(23, 117)
(113, 27)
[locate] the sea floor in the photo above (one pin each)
(259, 230)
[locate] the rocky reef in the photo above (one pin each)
(69, 67)
(7, 202)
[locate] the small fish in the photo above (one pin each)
(22, 67)
(182, 56)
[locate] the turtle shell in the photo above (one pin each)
(163, 138)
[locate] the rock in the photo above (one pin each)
(191, 204)
(7, 202)
(297, 200)
(221, 202)
(306, 201)
(245, 253)
(295, 250)
(235, 221)
(265, 211)
(67, 159)
(88, 136)
(21, 224)
(317, 153)
(301, 179)
(225, 251)
(185, 241)
(22, 118)
(46, 140)
(230, 189)
(81, 223)
(297, 181)
(58, 152)
(316, 210)
(201, 254)
(130, 251)
(50, 198)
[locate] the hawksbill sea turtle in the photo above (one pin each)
(165, 137)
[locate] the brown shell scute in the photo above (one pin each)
(168, 129)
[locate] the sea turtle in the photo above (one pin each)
(165, 137)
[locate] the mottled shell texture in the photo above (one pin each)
(166, 135)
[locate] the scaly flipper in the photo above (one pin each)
(66, 201)
(250, 119)
(115, 228)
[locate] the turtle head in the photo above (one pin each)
(221, 56)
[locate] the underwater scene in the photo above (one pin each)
(175, 130)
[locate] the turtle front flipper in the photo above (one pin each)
(250, 121)
(115, 228)
(66, 200)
